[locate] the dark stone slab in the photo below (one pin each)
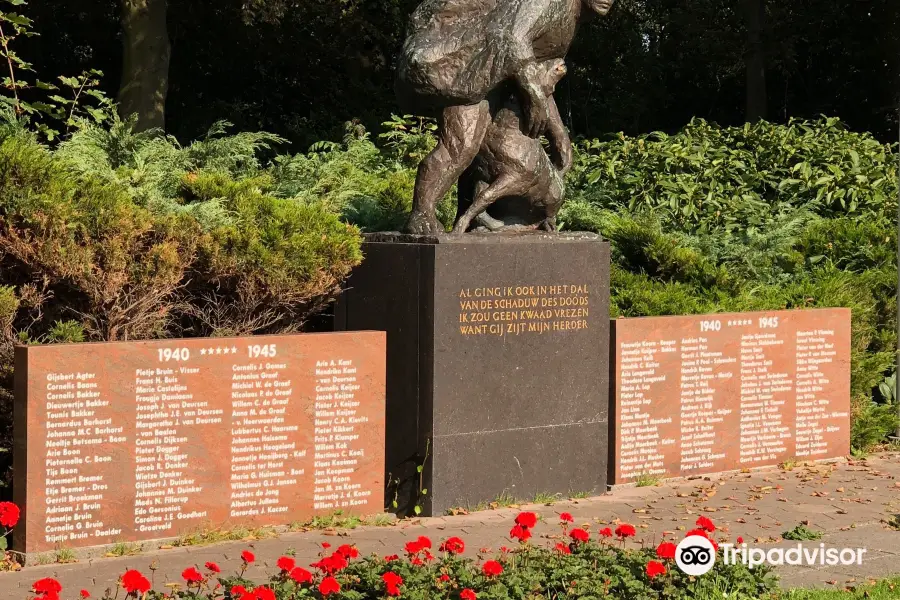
(497, 361)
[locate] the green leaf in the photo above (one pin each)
(419, 469)
(424, 491)
(3, 544)
(418, 510)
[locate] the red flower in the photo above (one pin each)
(417, 545)
(444, 577)
(192, 575)
(286, 563)
(392, 583)
(706, 523)
(625, 530)
(329, 586)
(264, 593)
(453, 545)
(135, 583)
(331, 564)
(526, 519)
(605, 532)
(213, 567)
(247, 556)
(566, 518)
(348, 551)
(740, 540)
(666, 550)
(520, 532)
(655, 568)
(46, 586)
(699, 532)
(85, 594)
(491, 568)
(238, 590)
(301, 575)
(326, 545)
(562, 548)
(416, 561)
(391, 557)
(467, 594)
(9, 514)
(579, 535)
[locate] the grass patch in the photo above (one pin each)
(203, 537)
(125, 549)
(338, 520)
(546, 498)
(579, 495)
(801, 533)
(645, 480)
(66, 555)
(887, 589)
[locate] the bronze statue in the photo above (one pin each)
(514, 170)
(465, 61)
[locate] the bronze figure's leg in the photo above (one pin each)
(505, 185)
(462, 129)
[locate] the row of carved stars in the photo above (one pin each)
(741, 322)
(232, 350)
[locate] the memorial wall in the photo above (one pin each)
(711, 393)
(137, 441)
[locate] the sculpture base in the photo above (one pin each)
(497, 363)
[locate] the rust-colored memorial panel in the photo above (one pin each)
(137, 441)
(711, 393)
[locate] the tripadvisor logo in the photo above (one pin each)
(695, 555)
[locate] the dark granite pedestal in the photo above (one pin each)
(497, 363)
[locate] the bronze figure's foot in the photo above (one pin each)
(420, 223)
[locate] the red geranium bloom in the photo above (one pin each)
(491, 568)
(606, 532)
(666, 550)
(467, 594)
(453, 545)
(192, 575)
(566, 518)
(444, 577)
(699, 532)
(85, 594)
(526, 519)
(348, 551)
(329, 586)
(301, 575)
(579, 535)
(213, 567)
(135, 583)
(740, 540)
(326, 545)
(520, 532)
(655, 568)
(286, 563)
(562, 548)
(625, 530)
(247, 556)
(391, 557)
(706, 523)
(392, 583)
(264, 593)
(47, 585)
(331, 564)
(9, 514)
(416, 561)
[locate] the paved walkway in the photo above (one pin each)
(850, 501)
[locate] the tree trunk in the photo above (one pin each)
(145, 62)
(757, 98)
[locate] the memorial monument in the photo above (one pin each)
(137, 441)
(497, 332)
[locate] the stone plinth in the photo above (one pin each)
(138, 441)
(710, 393)
(497, 362)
